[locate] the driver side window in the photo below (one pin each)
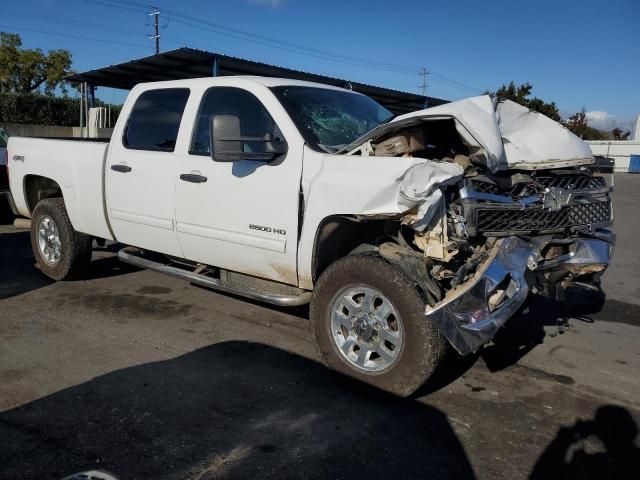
(255, 121)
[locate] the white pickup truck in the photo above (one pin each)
(407, 235)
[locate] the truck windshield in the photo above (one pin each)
(330, 119)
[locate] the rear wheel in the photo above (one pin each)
(60, 251)
(369, 323)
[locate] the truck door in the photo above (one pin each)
(242, 215)
(141, 171)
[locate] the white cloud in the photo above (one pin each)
(600, 120)
(605, 121)
(269, 3)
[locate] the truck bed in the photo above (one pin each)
(75, 165)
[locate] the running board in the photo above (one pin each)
(127, 255)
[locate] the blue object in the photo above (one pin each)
(634, 164)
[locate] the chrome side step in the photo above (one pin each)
(131, 256)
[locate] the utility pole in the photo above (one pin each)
(156, 29)
(423, 73)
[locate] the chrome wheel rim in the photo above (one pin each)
(49, 240)
(366, 328)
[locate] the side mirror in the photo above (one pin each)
(227, 142)
(224, 134)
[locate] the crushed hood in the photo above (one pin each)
(501, 134)
(530, 138)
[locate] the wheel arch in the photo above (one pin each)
(38, 187)
(339, 235)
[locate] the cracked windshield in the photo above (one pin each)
(331, 119)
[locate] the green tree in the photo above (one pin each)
(31, 70)
(619, 134)
(578, 123)
(522, 94)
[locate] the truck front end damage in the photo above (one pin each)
(471, 313)
(504, 205)
(538, 232)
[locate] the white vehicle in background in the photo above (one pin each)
(407, 235)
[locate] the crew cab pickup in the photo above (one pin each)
(406, 235)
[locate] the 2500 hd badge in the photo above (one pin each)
(262, 228)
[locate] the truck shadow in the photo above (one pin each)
(106, 266)
(6, 215)
(230, 410)
(542, 317)
(17, 266)
(520, 335)
(19, 272)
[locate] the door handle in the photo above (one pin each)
(121, 168)
(193, 178)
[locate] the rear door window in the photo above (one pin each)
(155, 120)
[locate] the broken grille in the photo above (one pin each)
(565, 182)
(573, 182)
(503, 220)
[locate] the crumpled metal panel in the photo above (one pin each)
(586, 255)
(466, 319)
(472, 315)
(476, 123)
(506, 135)
(531, 138)
(421, 185)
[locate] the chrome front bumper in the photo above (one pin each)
(472, 313)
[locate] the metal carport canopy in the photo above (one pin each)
(191, 63)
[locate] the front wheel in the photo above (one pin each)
(369, 323)
(60, 251)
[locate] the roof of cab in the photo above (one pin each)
(265, 81)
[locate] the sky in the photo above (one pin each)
(577, 53)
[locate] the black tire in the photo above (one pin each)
(424, 348)
(75, 250)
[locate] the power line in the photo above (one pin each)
(198, 23)
(234, 33)
(455, 83)
(226, 30)
(78, 37)
(30, 17)
(106, 3)
(295, 48)
(194, 22)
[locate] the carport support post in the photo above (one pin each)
(215, 70)
(81, 107)
(92, 96)
(90, 101)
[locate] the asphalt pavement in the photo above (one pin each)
(148, 377)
